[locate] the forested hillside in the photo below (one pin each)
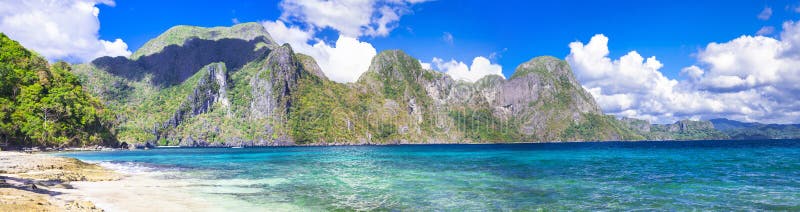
(45, 105)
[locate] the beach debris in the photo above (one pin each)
(80, 205)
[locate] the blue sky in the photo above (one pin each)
(660, 61)
(514, 30)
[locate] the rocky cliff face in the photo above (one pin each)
(544, 90)
(235, 86)
(211, 89)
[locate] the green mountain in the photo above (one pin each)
(680, 130)
(755, 130)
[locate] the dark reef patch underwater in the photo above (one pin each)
(667, 175)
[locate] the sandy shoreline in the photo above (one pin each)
(41, 182)
(37, 182)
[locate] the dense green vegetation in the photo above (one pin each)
(42, 105)
(688, 130)
(599, 126)
(539, 67)
(746, 130)
(321, 113)
(481, 126)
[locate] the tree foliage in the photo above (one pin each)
(43, 105)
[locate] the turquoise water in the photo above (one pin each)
(705, 175)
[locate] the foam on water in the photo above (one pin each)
(127, 167)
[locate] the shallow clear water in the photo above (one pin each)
(706, 175)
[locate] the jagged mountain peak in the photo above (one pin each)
(282, 54)
(178, 35)
(284, 58)
(395, 64)
(390, 54)
(395, 74)
(310, 65)
(490, 79)
(545, 66)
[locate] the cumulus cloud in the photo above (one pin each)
(743, 63)
(750, 78)
(59, 29)
(480, 68)
(692, 73)
(765, 66)
(765, 14)
(425, 65)
(352, 18)
(345, 61)
(631, 86)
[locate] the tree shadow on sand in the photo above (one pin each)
(30, 185)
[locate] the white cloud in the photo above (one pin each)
(765, 14)
(292, 35)
(750, 78)
(425, 65)
(347, 60)
(384, 23)
(766, 30)
(59, 29)
(766, 67)
(352, 18)
(791, 36)
(692, 72)
(630, 86)
(344, 62)
(743, 63)
(447, 38)
(480, 68)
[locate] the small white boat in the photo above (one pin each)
(237, 147)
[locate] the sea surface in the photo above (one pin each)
(674, 175)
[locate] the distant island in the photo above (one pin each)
(235, 86)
